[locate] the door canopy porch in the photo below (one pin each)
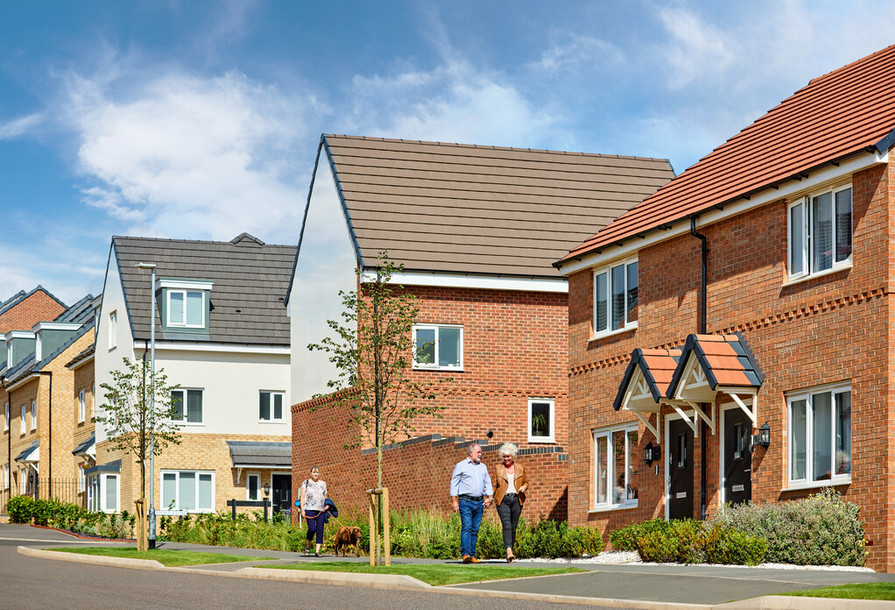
(642, 390)
(689, 377)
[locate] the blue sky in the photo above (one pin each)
(200, 120)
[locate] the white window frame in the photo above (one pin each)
(550, 438)
(182, 323)
(113, 330)
(178, 500)
(82, 405)
(97, 484)
(611, 327)
(631, 449)
(185, 406)
(5, 470)
(804, 228)
(434, 365)
(24, 426)
(271, 394)
(82, 478)
(809, 395)
(258, 491)
(6, 418)
(33, 415)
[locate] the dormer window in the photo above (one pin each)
(184, 304)
(186, 308)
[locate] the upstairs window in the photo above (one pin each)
(6, 418)
(24, 427)
(188, 406)
(33, 415)
(820, 233)
(186, 308)
(113, 330)
(615, 298)
(82, 406)
(438, 347)
(271, 407)
(541, 420)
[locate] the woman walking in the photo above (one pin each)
(313, 503)
(510, 484)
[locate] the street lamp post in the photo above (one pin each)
(150, 515)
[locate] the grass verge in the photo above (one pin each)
(434, 574)
(872, 590)
(171, 559)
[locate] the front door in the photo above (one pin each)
(680, 470)
(737, 466)
(281, 492)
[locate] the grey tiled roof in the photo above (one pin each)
(260, 453)
(250, 282)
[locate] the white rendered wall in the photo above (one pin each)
(107, 360)
(326, 265)
(231, 383)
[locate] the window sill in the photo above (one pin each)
(271, 421)
(612, 333)
(811, 276)
(818, 484)
(438, 369)
(541, 440)
(609, 509)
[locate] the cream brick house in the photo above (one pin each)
(222, 335)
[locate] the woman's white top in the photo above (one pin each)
(511, 483)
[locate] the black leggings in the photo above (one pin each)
(315, 524)
(509, 510)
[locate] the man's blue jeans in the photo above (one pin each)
(470, 520)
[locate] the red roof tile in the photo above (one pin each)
(836, 115)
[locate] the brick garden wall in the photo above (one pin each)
(417, 473)
(823, 330)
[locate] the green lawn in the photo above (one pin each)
(433, 574)
(872, 590)
(171, 559)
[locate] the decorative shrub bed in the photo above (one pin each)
(71, 517)
(822, 529)
(413, 534)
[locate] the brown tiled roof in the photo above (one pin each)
(656, 365)
(726, 360)
(847, 111)
(481, 209)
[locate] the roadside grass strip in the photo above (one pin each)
(883, 591)
(434, 574)
(170, 559)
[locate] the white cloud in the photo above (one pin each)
(575, 53)
(697, 49)
(451, 103)
(19, 127)
(184, 156)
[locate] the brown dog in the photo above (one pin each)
(347, 537)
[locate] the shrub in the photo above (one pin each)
(691, 541)
(822, 529)
(20, 509)
(625, 539)
(728, 546)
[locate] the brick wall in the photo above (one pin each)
(417, 473)
(39, 306)
(823, 330)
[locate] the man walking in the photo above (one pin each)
(470, 494)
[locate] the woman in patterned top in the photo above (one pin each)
(313, 499)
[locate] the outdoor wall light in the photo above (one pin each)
(267, 489)
(763, 437)
(651, 453)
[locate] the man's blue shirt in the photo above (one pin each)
(471, 479)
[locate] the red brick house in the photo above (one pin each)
(477, 229)
(763, 297)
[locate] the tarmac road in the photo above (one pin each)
(33, 583)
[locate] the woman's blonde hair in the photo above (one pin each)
(509, 449)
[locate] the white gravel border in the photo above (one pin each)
(632, 558)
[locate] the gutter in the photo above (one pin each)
(703, 315)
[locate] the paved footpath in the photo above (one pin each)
(607, 585)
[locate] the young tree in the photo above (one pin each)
(372, 348)
(132, 419)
